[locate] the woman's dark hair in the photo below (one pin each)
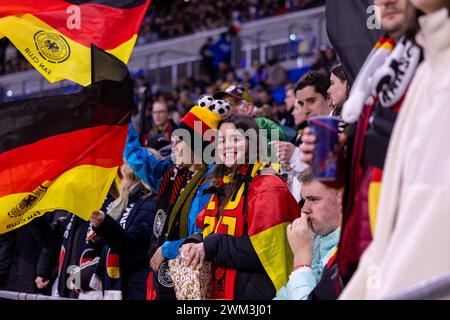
(241, 122)
(338, 71)
(226, 191)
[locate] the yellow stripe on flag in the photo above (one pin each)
(210, 118)
(79, 191)
(113, 272)
(276, 256)
(374, 199)
(36, 41)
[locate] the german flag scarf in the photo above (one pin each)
(263, 218)
(63, 152)
(175, 194)
(55, 36)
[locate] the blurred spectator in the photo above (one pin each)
(311, 100)
(3, 45)
(160, 123)
(223, 70)
(266, 111)
(174, 18)
(319, 60)
(276, 74)
(330, 57)
(311, 93)
(259, 72)
(176, 116)
(207, 58)
(263, 97)
(20, 256)
(222, 50)
(284, 113)
(246, 80)
(413, 183)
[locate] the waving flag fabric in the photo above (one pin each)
(63, 152)
(55, 36)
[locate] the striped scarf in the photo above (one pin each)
(386, 74)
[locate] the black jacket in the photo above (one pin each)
(20, 254)
(252, 281)
(132, 243)
(326, 289)
(47, 266)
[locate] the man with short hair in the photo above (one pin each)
(313, 237)
(161, 124)
(239, 99)
(284, 112)
(311, 93)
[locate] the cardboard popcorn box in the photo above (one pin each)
(191, 284)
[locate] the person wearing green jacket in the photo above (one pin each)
(241, 101)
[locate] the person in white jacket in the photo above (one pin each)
(413, 231)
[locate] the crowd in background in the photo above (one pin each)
(169, 19)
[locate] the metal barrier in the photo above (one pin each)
(12, 295)
(434, 288)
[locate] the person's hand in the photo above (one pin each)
(97, 218)
(157, 260)
(308, 145)
(92, 237)
(285, 150)
(41, 283)
(301, 240)
(195, 254)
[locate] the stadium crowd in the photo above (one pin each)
(169, 19)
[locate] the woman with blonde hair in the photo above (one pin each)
(126, 230)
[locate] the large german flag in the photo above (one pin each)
(275, 210)
(55, 36)
(63, 152)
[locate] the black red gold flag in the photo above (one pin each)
(63, 152)
(55, 36)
